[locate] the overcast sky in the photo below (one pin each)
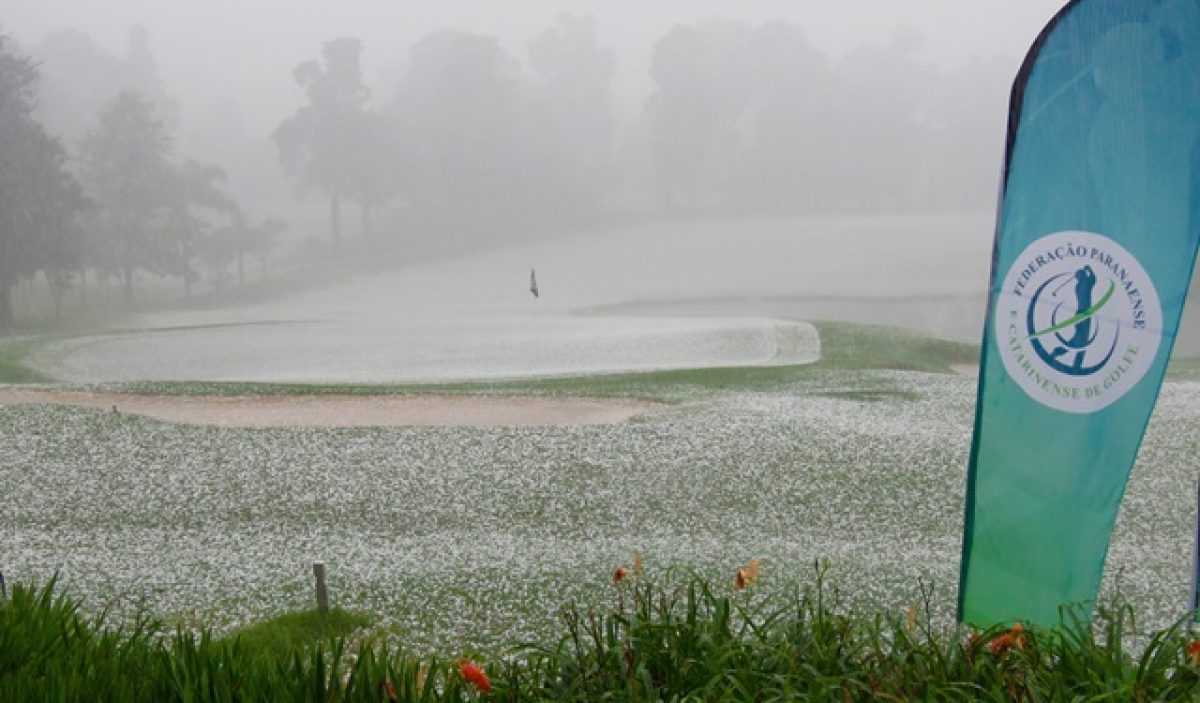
(211, 51)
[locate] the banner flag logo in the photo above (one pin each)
(1079, 320)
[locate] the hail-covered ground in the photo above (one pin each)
(460, 538)
(463, 538)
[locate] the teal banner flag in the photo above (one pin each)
(1095, 244)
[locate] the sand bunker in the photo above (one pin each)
(346, 410)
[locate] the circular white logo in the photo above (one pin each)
(1078, 321)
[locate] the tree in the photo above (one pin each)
(373, 150)
(259, 243)
(321, 144)
(126, 169)
(198, 206)
(39, 199)
(964, 158)
(882, 94)
(141, 76)
(80, 79)
(572, 109)
(461, 105)
(702, 90)
(231, 242)
(784, 158)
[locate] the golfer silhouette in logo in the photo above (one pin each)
(1085, 330)
(1085, 283)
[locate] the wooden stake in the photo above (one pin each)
(322, 593)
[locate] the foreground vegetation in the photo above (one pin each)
(691, 641)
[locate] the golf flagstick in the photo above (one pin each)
(537, 332)
(533, 288)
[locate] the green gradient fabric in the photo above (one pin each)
(1095, 245)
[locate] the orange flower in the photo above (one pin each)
(389, 689)
(1193, 652)
(474, 674)
(1013, 639)
(620, 575)
(747, 576)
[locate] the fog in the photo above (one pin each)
(217, 154)
(227, 66)
(251, 45)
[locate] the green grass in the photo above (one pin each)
(1184, 370)
(300, 629)
(13, 369)
(851, 347)
(688, 641)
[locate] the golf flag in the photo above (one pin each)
(1095, 243)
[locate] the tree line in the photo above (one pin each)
(471, 141)
(740, 117)
(121, 203)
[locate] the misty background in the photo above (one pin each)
(206, 143)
